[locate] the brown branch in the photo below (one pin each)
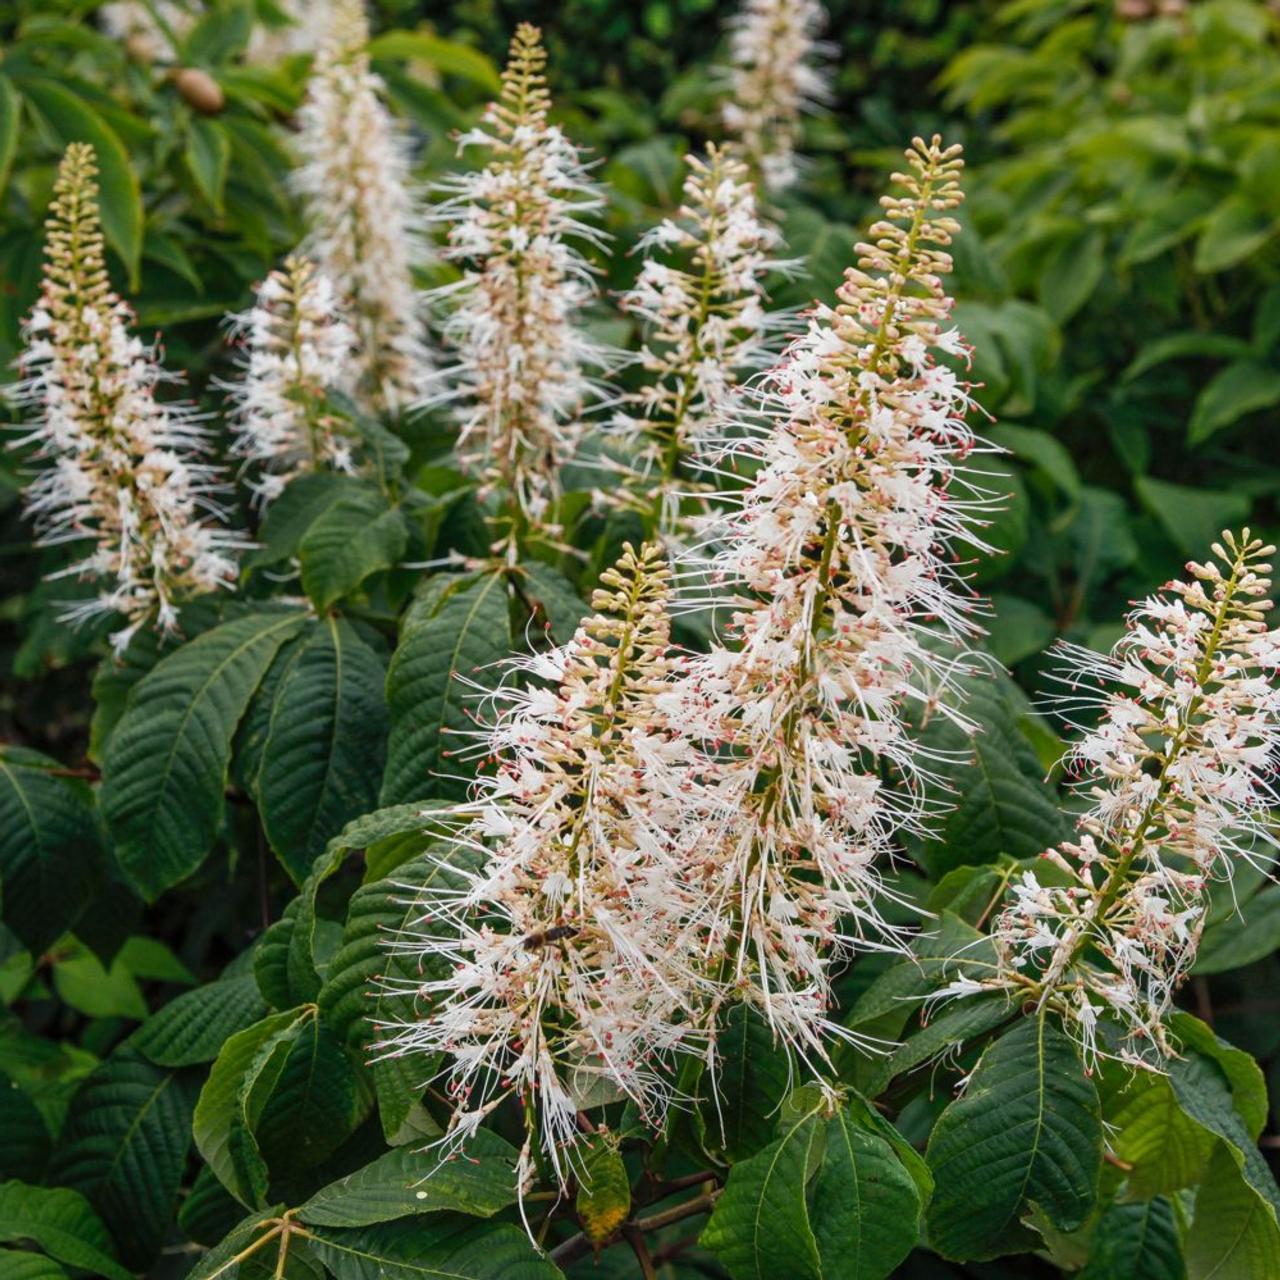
(579, 1246)
(640, 1247)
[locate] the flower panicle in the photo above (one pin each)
(523, 371)
(297, 348)
(701, 295)
(774, 78)
(551, 957)
(367, 229)
(1178, 779)
(836, 566)
(123, 471)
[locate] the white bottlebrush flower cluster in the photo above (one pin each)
(297, 348)
(1179, 777)
(122, 469)
(366, 229)
(520, 375)
(773, 81)
(838, 558)
(560, 963)
(701, 295)
(667, 835)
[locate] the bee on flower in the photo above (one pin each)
(297, 348)
(773, 80)
(556, 950)
(522, 367)
(836, 564)
(367, 232)
(1178, 774)
(701, 296)
(122, 470)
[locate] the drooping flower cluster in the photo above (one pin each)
(773, 81)
(838, 559)
(520, 378)
(705, 318)
(556, 956)
(297, 348)
(366, 229)
(122, 470)
(1179, 774)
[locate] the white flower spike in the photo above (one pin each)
(122, 468)
(366, 227)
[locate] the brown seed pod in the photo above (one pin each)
(200, 89)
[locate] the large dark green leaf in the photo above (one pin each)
(1027, 1131)
(166, 765)
(1233, 1233)
(193, 1027)
(438, 1247)
(478, 1180)
(73, 119)
(760, 1228)
(1136, 1241)
(447, 647)
(326, 745)
(50, 852)
(62, 1223)
(353, 538)
(125, 1147)
(753, 1075)
(25, 1141)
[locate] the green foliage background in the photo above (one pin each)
(183, 973)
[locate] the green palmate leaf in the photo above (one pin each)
(166, 766)
(1192, 517)
(315, 1102)
(62, 1223)
(555, 606)
(1027, 1131)
(1000, 803)
(25, 1141)
(87, 985)
(753, 1075)
(866, 1207)
(1043, 451)
(353, 538)
(48, 1072)
(303, 502)
(1233, 1233)
(1242, 1074)
(448, 56)
(9, 123)
(1243, 937)
(50, 851)
(1175, 346)
(224, 1115)
(438, 1247)
(604, 1188)
(193, 1027)
(1165, 1148)
(447, 645)
(29, 1266)
(829, 1199)
(953, 949)
(209, 1211)
(1234, 230)
(1240, 388)
(479, 1180)
(208, 157)
(326, 744)
(282, 962)
(379, 914)
(1072, 270)
(124, 1147)
(1138, 1242)
(72, 119)
(945, 1034)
